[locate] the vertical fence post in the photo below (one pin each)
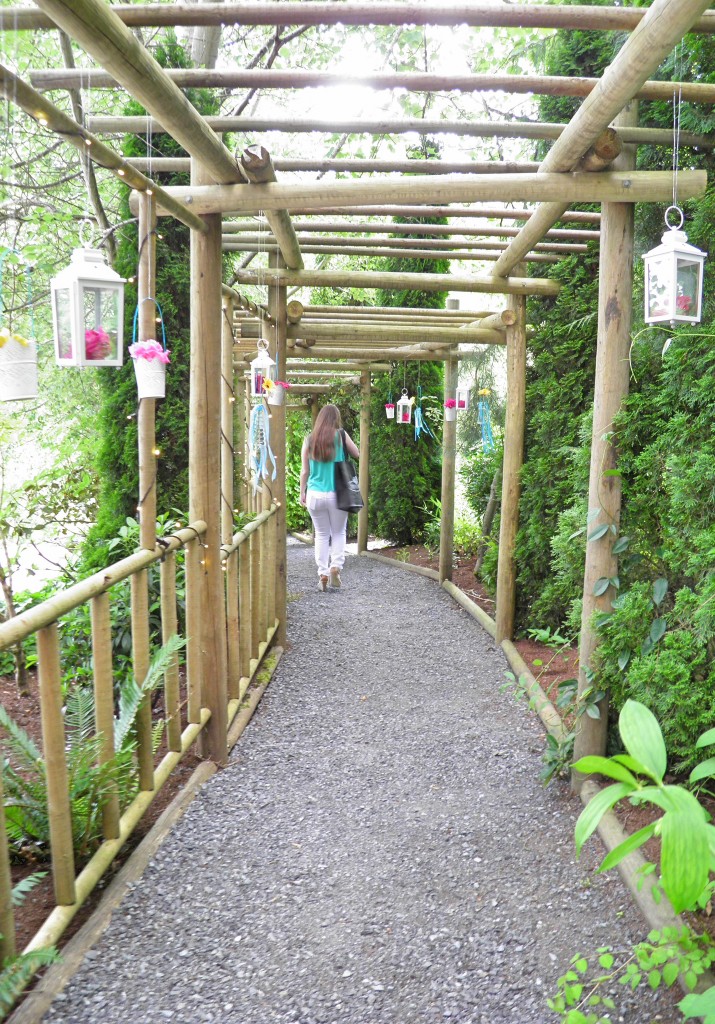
(104, 704)
(277, 302)
(513, 459)
(228, 464)
(364, 457)
(169, 627)
(147, 324)
(255, 603)
(53, 746)
(7, 916)
(194, 687)
(244, 604)
(140, 664)
(449, 456)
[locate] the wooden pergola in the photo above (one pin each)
(591, 159)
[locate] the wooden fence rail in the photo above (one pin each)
(250, 618)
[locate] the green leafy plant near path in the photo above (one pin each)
(25, 775)
(687, 861)
(16, 971)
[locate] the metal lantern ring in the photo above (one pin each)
(88, 312)
(674, 278)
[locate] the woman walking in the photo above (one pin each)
(321, 450)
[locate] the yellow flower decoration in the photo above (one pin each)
(268, 385)
(5, 336)
(484, 391)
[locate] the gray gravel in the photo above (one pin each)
(379, 849)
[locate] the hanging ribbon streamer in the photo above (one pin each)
(421, 423)
(485, 420)
(260, 446)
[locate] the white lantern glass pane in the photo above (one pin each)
(658, 288)
(63, 319)
(687, 287)
(101, 322)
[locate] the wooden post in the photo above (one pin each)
(204, 476)
(244, 608)
(194, 663)
(53, 748)
(449, 458)
(139, 582)
(255, 598)
(314, 410)
(7, 917)
(104, 704)
(172, 709)
(513, 458)
(277, 303)
(147, 324)
(230, 566)
(363, 514)
(615, 300)
(239, 444)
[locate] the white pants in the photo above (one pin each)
(330, 523)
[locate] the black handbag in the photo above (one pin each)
(347, 489)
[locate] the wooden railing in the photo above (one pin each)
(250, 624)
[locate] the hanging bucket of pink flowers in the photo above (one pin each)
(150, 359)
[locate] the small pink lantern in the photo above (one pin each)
(390, 410)
(450, 409)
(462, 399)
(404, 408)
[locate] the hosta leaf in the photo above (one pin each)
(595, 809)
(633, 842)
(685, 858)
(642, 737)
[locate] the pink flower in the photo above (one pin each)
(97, 344)
(389, 405)
(450, 403)
(149, 350)
(284, 384)
(684, 302)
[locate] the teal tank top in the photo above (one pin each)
(322, 475)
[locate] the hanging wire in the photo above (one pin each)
(677, 110)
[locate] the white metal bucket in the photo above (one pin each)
(151, 378)
(18, 371)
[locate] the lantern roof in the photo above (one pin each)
(675, 241)
(89, 263)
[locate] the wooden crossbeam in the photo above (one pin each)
(258, 243)
(623, 187)
(385, 227)
(346, 165)
(374, 334)
(342, 249)
(392, 126)
(299, 12)
(424, 282)
(200, 78)
(426, 210)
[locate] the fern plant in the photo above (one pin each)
(16, 971)
(24, 771)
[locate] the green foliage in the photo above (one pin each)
(662, 958)
(17, 971)
(297, 426)
(24, 770)
(684, 828)
(477, 469)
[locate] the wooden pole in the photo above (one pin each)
(7, 916)
(298, 12)
(373, 334)
(169, 627)
(462, 212)
(462, 255)
(241, 229)
(53, 749)
(394, 126)
(513, 459)
(243, 242)
(449, 461)
(277, 304)
(139, 584)
(581, 187)
(364, 166)
(204, 475)
(615, 301)
(270, 78)
(230, 565)
(104, 704)
(364, 475)
(148, 328)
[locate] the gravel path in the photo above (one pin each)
(379, 850)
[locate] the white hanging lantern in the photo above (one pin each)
(674, 278)
(262, 368)
(404, 408)
(462, 396)
(88, 312)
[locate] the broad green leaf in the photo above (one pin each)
(595, 765)
(670, 974)
(657, 629)
(606, 961)
(633, 842)
(620, 546)
(577, 533)
(601, 586)
(700, 1005)
(623, 658)
(592, 514)
(593, 711)
(703, 770)
(642, 737)
(612, 472)
(660, 589)
(595, 809)
(630, 762)
(684, 859)
(654, 979)
(599, 532)
(706, 739)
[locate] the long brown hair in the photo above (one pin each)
(321, 443)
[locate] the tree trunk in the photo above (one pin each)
(488, 520)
